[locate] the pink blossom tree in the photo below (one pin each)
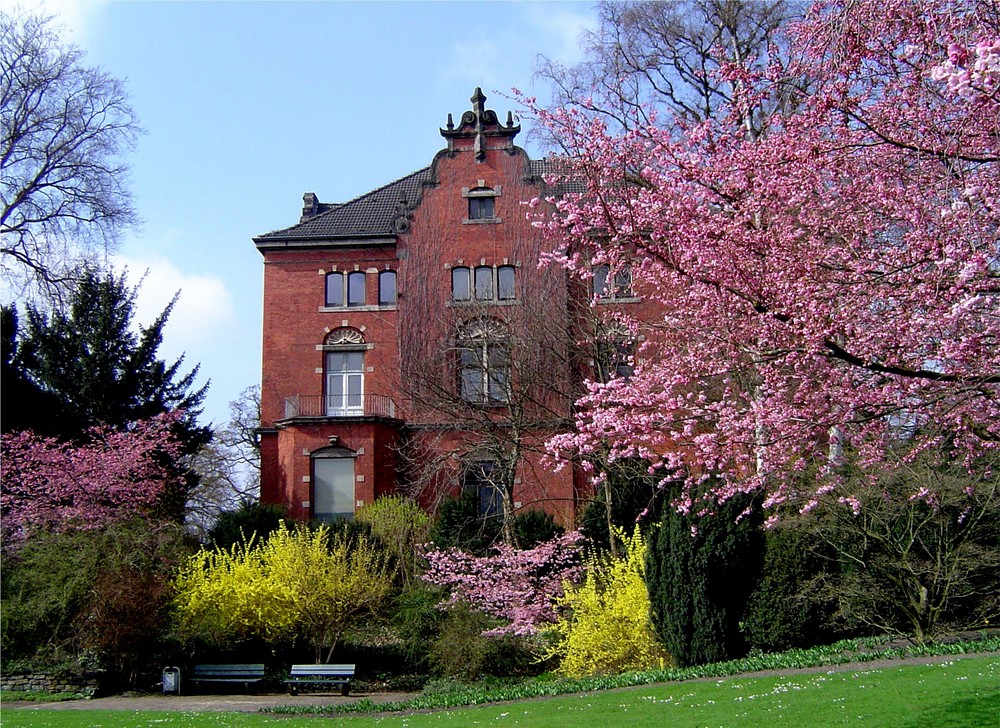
(115, 475)
(516, 586)
(829, 280)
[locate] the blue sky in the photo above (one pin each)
(247, 105)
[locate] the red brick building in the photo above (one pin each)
(411, 342)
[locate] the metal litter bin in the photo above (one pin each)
(171, 681)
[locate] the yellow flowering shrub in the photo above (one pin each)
(605, 626)
(297, 583)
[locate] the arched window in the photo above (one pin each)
(505, 283)
(333, 484)
(356, 288)
(338, 294)
(460, 286)
(344, 373)
(484, 283)
(387, 288)
(484, 363)
(334, 289)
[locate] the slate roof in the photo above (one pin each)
(379, 213)
(373, 214)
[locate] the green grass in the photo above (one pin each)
(961, 692)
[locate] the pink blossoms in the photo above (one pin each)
(830, 287)
(516, 586)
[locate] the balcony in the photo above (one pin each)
(367, 405)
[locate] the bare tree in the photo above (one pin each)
(65, 129)
(648, 57)
(228, 466)
(488, 380)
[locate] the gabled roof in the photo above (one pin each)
(379, 213)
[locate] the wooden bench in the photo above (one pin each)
(245, 674)
(320, 675)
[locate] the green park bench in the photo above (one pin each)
(320, 675)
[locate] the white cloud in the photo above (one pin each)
(203, 315)
(565, 25)
(74, 19)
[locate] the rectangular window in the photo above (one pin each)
(484, 283)
(471, 375)
(333, 488)
(345, 383)
(480, 208)
(387, 288)
(497, 373)
(608, 286)
(601, 281)
(623, 282)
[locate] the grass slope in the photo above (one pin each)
(952, 694)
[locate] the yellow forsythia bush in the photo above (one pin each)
(605, 627)
(297, 583)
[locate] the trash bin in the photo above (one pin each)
(171, 681)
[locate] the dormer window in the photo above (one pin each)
(482, 203)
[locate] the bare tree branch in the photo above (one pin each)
(65, 129)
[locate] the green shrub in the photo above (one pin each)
(459, 525)
(93, 597)
(403, 526)
(250, 519)
(534, 527)
(632, 491)
(700, 573)
(462, 652)
(789, 607)
(416, 621)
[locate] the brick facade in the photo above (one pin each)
(411, 404)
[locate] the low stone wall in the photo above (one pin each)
(85, 684)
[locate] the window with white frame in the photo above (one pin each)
(344, 373)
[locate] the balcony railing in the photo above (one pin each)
(368, 405)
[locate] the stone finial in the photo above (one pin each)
(480, 125)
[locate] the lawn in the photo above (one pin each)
(960, 692)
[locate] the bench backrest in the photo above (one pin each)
(327, 670)
(232, 671)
